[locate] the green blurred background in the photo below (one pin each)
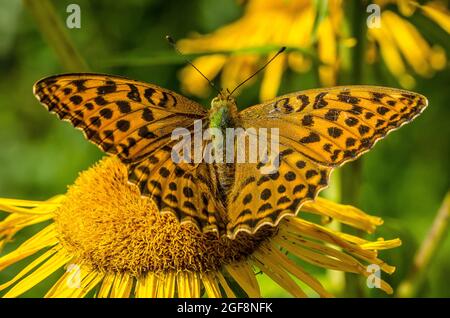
(404, 179)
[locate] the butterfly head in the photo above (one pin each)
(223, 110)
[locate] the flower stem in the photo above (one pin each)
(53, 30)
(352, 66)
(422, 260)
(336, 278)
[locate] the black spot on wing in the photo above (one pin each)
(124, 106)
(319, 102)
(99, 100)
(106, 113)
(283, 103)
(304, 99)
(382, 110)
(351, 121)
(109, 87)
(133, 94)
(123, 125)
(145, 133)
(307, 121)
(147, 115)
(356, 110)
(311, 138)
(346, 98)
(76, 99)
(148, 93)
(335, 132)
(332, 115)
(163, 101)
(79, 84)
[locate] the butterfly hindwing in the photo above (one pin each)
(319, 129)
(183, 190)
(258, 199)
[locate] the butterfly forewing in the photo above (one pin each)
(319, 129)
(119, 115)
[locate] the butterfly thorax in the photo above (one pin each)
(222, 115)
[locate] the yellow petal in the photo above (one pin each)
(300, 30)
(346, 214)
(311, 230)
(243, 274)
(106, 285)
(89, 279)
(319, 254)
(225, 286)
(327, 52)
(30, 207)
(15, 222)
(29, 268)
(388, 50)
(299, 63)
(406, 7)
(46, 237)
(382, 244)
(211, 286)
(438, 58)
(192, 82)
(87, 284)
(122, 285)
(147, 286)
(437, 14)
(296, 270)
(320, 260)
(315, 231)
(412, 45)
(272, 78)
(237, 69)
(277, 274)
(166, 285)
(188, 284)
(55, 262)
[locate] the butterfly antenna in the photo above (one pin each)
(260, 69)
(174, 45)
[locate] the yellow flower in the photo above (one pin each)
(401, 44)
(278, 23)
(114, 243)
(292, 23)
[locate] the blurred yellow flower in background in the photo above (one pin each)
(401, 45)
(308, 26)
(278, 23)
(114, 243)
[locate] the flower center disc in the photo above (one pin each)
(106, 223)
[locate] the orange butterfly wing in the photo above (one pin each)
(319, 130)
(135, 120)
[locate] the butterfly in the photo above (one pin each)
(319, 130)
